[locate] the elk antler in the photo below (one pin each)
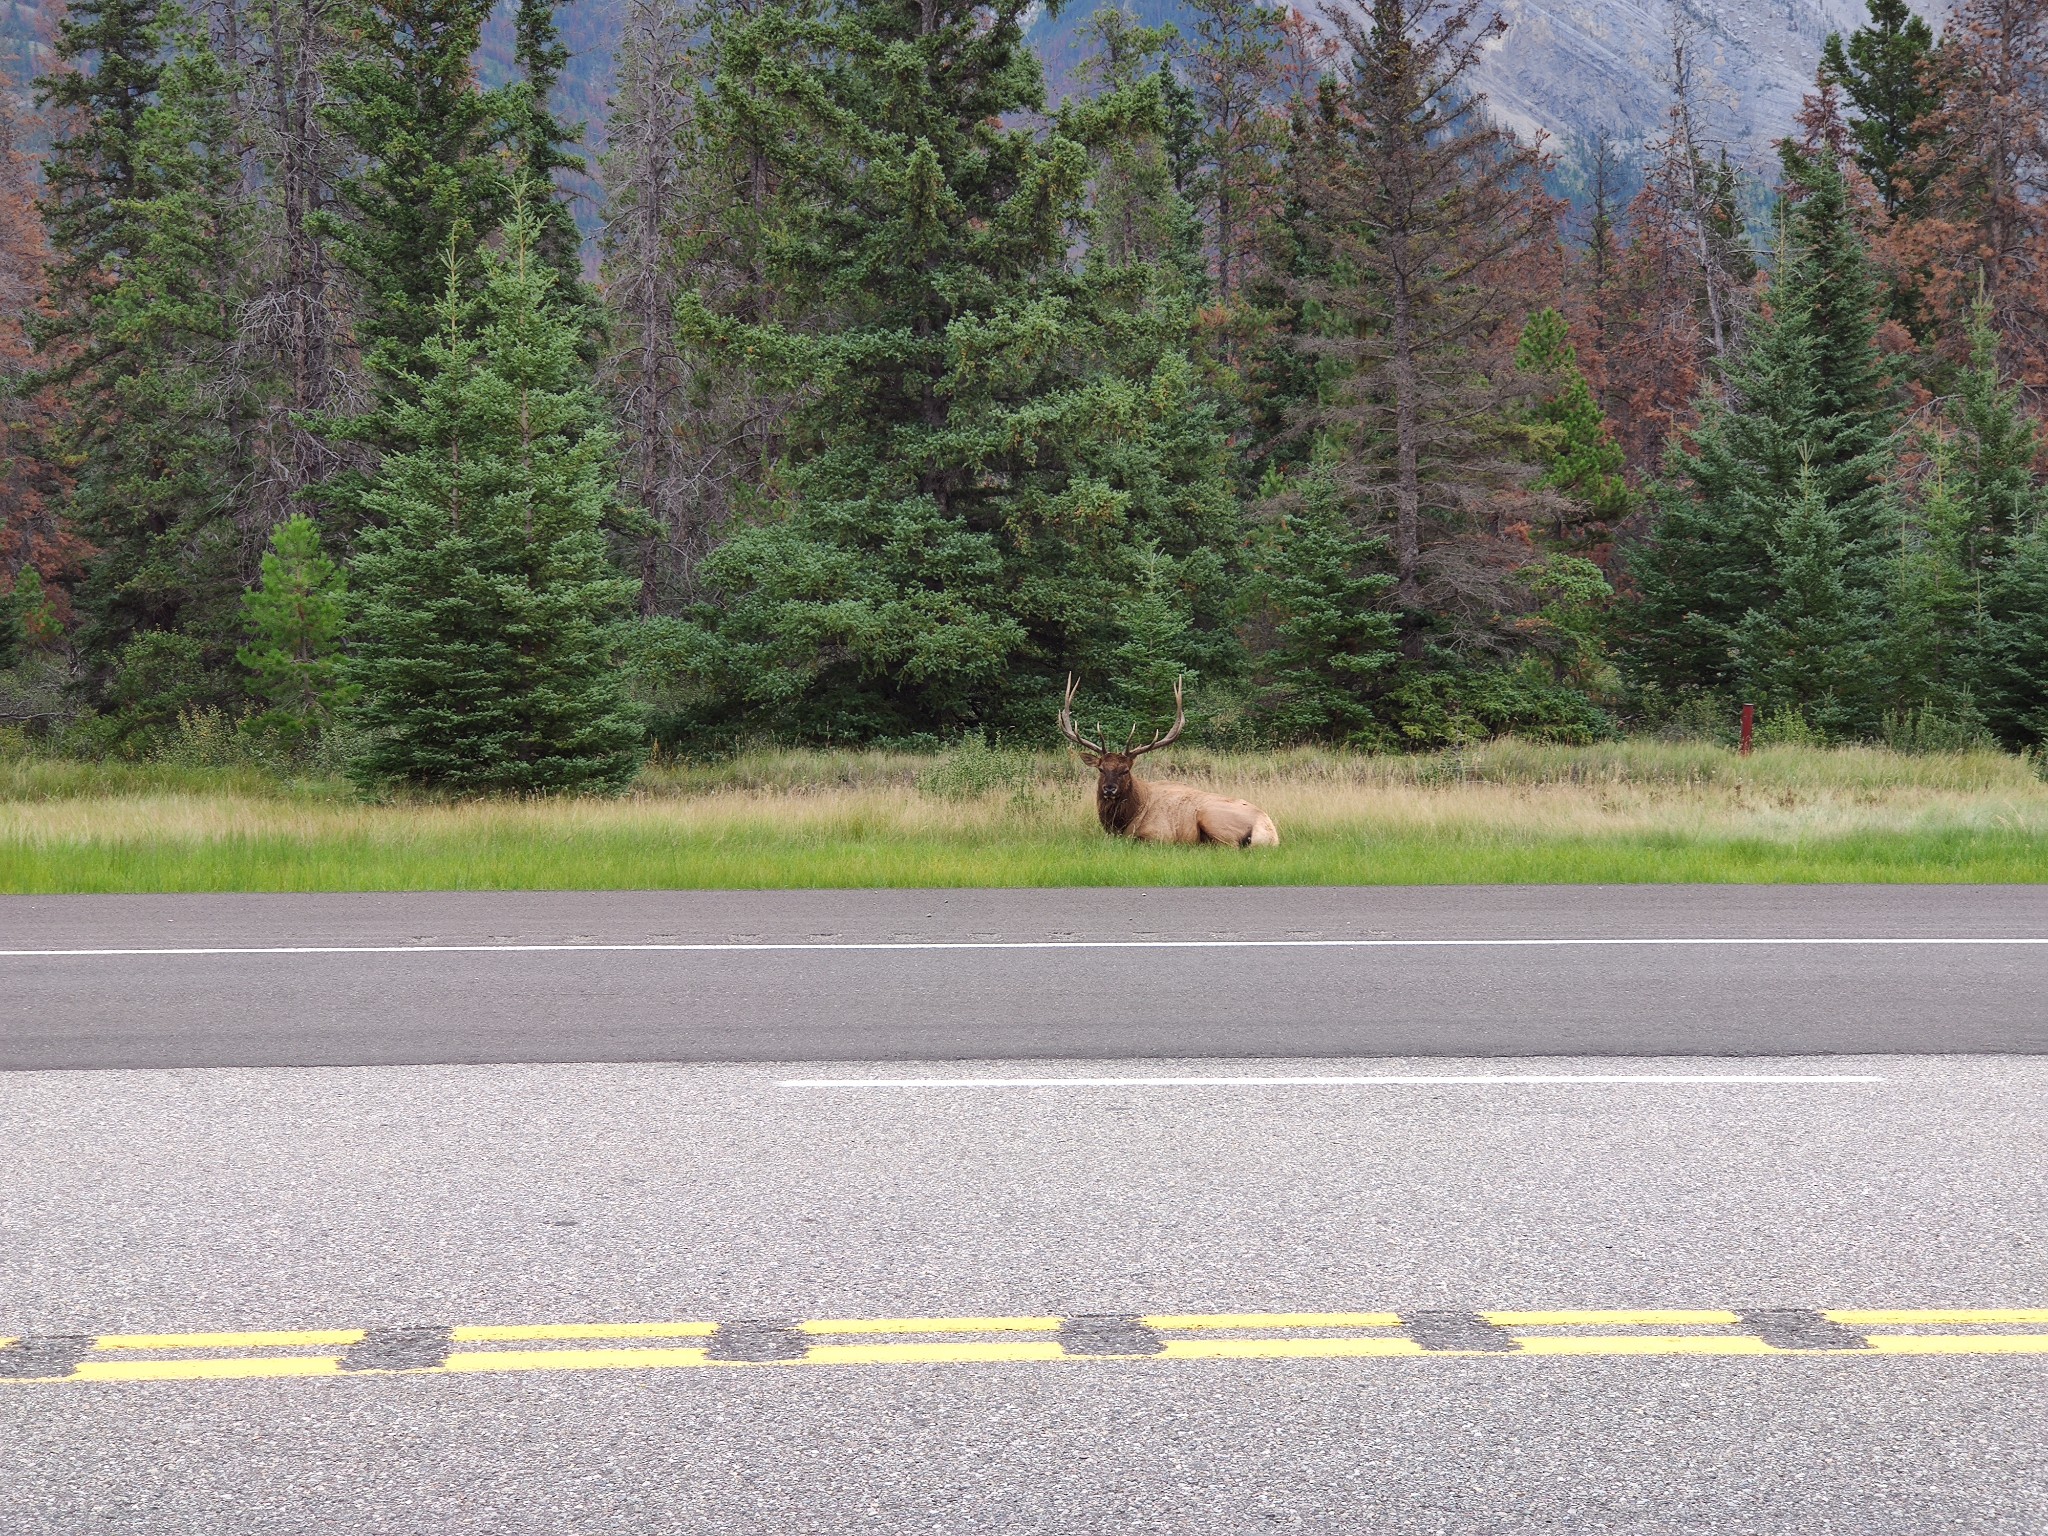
(1088, 748)
(1180, 720)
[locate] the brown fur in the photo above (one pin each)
(1129, 806)
(1175, 813)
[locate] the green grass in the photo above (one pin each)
(1510, 812)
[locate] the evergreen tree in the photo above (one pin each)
(1934, 636)
(156, 401)
(428, 179)
(293, 622)
(1884, 69)
(1137, 218)
(1580, 459)
(1234, 65)
(1806, 401)
(2012, 667)
(1809, 650)
(542, 145)
(992, 439)
(112, 51)
(1320, 591)
(2001, 518)
(1997, 443)
(482, 599)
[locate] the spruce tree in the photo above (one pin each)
(542, 145)
(1569, 430)
(990, 436)
(1809, 649)
(481, 600)
(155, 401)
(1934, 638)
(1883, 67)
(293, 621)
(428, 178)
(1806, 399)
(1319, 591)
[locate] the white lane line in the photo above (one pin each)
(1486, 1080)
(986, 944)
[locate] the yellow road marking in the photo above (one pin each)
(934, 1353)
(570, 1359)
(204, 1370)
(1286, 1349)
(272, 1339)
(1960, 1343)
(1910, 1315)
(1651, 1344)
(519, 1333)
(930, 1325)
(892, 1341)
(1273, 1320)
(1669, 1317)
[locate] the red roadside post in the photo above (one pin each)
(1748, 726)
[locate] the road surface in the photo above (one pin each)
(1694, 1278)
(365, 980)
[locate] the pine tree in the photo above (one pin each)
(542, 145)
(1934, 637)
(1809, 650)
(1137, 218)
(1997, 444)
(156, 403)
(1884, 68)
(2012, 667)
(1581, 461)
(1320, 591)
(1806, 400)
(481, 601)
(1234, 66)
(1409, 208)
(293, 621)
(991, 437)
(2001, 538)
(428, 179)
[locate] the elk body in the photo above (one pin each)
(1162, 813)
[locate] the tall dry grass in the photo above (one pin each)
(1508, 811)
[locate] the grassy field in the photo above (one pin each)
(1507, 812)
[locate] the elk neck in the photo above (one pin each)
(1118, 811)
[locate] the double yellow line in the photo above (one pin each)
(990, 1340)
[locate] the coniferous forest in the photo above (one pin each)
(878, 391)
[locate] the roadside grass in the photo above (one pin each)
(1508, 812)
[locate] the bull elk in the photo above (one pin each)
(1162, 813)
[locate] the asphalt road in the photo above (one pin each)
(838, 975)
(493, 1197)
(1758, 1245)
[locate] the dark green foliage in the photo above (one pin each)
(1806, 401)
(294, 623)
(96, 170)
(12, 630)
(1883, 67)
(1934, 637)
(158, 679)
(1569, 430)
(428, 180)
(1809, 649)
(154, 421)
(996, 449)
(542, 145)
(1331, 647)
(2012, 672)
(482, 599)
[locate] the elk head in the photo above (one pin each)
(1116, 786)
